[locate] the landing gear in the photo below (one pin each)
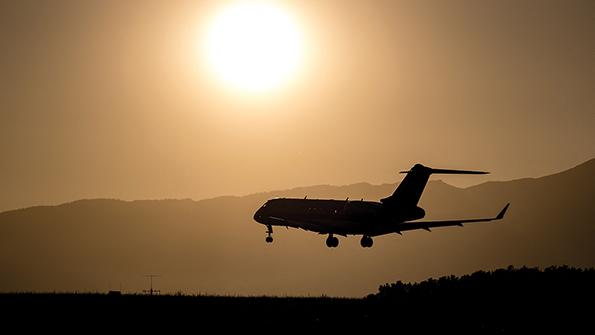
(269, 238)
(366, 241)
(331, 241)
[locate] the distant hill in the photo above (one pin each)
(213, 246)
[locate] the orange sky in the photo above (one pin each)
(112, 98)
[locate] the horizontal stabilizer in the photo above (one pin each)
(409, 192)
(447, 171)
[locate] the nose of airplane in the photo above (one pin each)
(258, 215)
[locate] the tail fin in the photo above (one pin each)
(409, 191)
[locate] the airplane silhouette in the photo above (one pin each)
(393, 214)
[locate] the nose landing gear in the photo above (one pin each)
(331, 241)
(269, 238)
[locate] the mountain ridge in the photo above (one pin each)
(304, 189)
(213, 245)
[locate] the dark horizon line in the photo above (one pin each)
(509, 269)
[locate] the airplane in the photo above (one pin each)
(394, 214)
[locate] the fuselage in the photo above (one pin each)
(396, 213)
(341, 217)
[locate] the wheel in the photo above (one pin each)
(269, 239)
(332, 242)
(335, 242)
(366, 241)
(329, 241)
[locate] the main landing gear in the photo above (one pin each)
(331, 241)
(366, 241)
(269, 238)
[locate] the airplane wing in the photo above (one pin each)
(427, 225)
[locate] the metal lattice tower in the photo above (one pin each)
(151, 290)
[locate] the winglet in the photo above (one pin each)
(500, 215)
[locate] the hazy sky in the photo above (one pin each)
(113, 98)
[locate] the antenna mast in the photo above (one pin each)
(151, 290)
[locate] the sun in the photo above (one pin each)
(254, 46)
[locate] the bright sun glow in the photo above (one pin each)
(254, 46)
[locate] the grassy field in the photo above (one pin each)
(505, 300)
